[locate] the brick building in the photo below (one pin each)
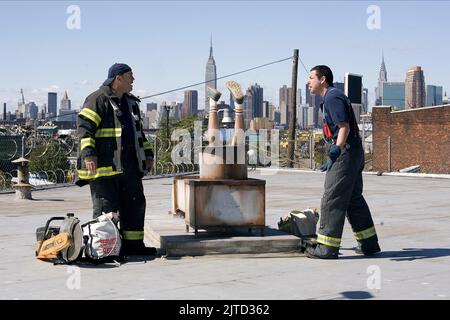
(417, 137)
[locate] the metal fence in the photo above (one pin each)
(53, 160)
(310, 151)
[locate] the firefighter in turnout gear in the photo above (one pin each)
(343, 181)
(114, 155)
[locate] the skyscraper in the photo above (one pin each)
(365, 104)
(266, 111)
(445, 99)
(65, 102)
(152, 106)
(257, 100)
(277, 116)
(272, 110)
(21, 106)
(210, 75)
(394, 95)
(314, 102)
(382, 77)
(65, 113)
(339, 85)
(285, 102)
(32, 110)
(248, 107)
(190, 103)
(51, 104)
(434, 95)
(414, 88)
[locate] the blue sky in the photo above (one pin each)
(167, 44)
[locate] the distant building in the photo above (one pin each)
(434, 96)
(31, 111)
(339, 85)
(152, 106)
(277, 117)
(284, 103)
(266, 110)
(190, 103)
(303, 115)
(394, 95)
(52, 104)
(259, 123)
(257, 95)
(210, 75)
(414, 88)
(66, 114)
(382, 77)
(284, 114)
(42, 111)
(445, 100)
(21, 107)
(272, 109)
(175, 111)
(299, 97)
(231, 101)
(365, 103)
(314, 101)
(248, 107)
(151, 120)
(65, 102)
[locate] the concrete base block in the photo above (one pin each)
(172, 239)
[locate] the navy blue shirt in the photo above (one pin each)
(336, 109)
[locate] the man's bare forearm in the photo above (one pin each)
(344, 130)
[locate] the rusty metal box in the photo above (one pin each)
(212, 204)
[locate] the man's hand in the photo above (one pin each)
(149, 165)
(91, 164)
(327, 165)
(333, 154)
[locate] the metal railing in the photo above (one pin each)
(310, 153)
(50, 151)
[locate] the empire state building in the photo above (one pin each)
(210, 76)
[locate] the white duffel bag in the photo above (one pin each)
(101, 237)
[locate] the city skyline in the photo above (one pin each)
(170, 56)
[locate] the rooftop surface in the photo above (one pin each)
(411, 214)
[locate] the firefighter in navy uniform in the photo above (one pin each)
(114, 155)
(343, 181)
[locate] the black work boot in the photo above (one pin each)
(367, 251)
(137, 249)
(306, 242)
(315, 253)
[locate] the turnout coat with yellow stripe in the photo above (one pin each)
(99, 130)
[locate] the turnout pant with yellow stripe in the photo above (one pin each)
(122, 193)
(343, 197)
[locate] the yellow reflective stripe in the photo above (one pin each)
(100, 172)
(108, 133)
(365, 234)
(133, 235)
(91, 115)
(328, 241)
(147, 145)
(87, 142)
